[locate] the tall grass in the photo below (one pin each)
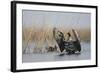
(44, 36)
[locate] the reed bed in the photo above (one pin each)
(43, 37)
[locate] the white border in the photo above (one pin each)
(33, 65)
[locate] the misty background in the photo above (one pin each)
(56, 19)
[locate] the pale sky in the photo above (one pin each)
(56, 19)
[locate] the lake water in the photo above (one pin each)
(54, 56)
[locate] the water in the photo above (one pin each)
(54, 56)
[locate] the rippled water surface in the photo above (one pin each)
(53, 56)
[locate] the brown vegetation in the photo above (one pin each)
(44, 36)
(38, 34)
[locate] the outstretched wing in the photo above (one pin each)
(77, 42)
(77, 38)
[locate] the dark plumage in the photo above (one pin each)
(70, 47)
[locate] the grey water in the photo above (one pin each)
(54, 56)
